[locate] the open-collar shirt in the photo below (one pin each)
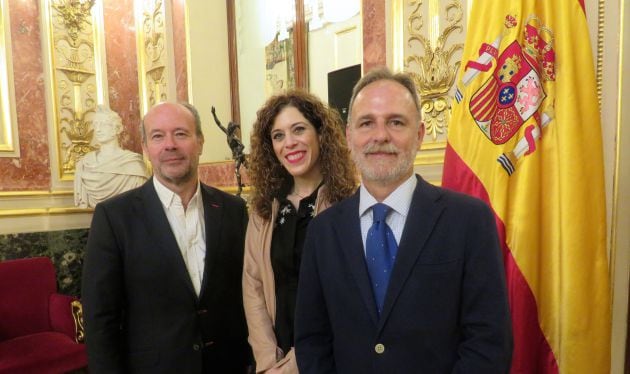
(188, 226)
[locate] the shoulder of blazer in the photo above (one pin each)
(428, 191)
(216, 196)
(449, 197)
(333, 212)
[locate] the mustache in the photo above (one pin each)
(380, 148)
(169, 155)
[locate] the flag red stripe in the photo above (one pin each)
(532, 353)
(490, 89)
(482, 107)
(485, 113)
(485, 107)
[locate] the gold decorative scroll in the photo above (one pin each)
(9, 146)
(432, 62)
(428, 39)
(77, 316)
(76, 75)
(156, 66)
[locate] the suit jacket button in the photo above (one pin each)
(379, 348)
(196, 347)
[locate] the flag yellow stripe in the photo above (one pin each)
(553, 206)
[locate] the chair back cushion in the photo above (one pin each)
(25, 289)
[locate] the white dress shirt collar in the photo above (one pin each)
(399, 200)
(168, 197)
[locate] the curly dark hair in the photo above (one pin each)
(267, 175)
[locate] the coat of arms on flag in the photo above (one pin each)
(514, 94)
(527, 98)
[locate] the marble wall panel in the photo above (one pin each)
(179, 43)
(31, 171)
(374, 36)
(221, 174)
(122, 71)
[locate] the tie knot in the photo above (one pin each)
(379, 212)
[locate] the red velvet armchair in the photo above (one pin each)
(38, 333)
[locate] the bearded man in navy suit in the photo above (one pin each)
(162, 275)
(420, 289)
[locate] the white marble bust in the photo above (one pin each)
(109, 170)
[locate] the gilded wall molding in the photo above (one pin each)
(34, 193)
(428, 39)
(156, 64)
(430, 62)
(38, 204)
(47, 203)
(73, 38)
(42, 212)
(9, 145)
(600, 49)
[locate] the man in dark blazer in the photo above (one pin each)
(444, 307)
(162, 276)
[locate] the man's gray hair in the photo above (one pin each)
(384, 73)
(191, 109)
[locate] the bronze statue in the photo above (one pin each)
(236, 146)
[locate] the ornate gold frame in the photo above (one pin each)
(9, 145)
(154, 45)
(76, 79)
(300, 53)
(77, 316)
(434, 72)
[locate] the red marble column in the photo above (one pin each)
(374, 34)
(122, 71)
(31, 171)
(179, 42)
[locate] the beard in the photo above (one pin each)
(179, 179)
(178, 176)
(384, 171)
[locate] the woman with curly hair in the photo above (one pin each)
(299, 165)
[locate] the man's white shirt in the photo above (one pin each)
(399, 201)
(188, 226)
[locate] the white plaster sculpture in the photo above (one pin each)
(109, 170)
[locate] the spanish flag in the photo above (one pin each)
(525, 136)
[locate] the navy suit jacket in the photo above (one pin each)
(446, 308)
(141, 312)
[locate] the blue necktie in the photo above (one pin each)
(380, 253)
